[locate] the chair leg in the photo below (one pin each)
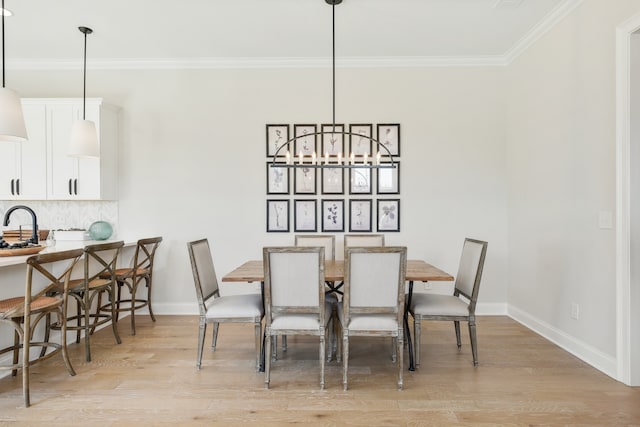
(25, 364)
(456, 324)
(345, 358)
(284, 343)
(400, 347)
(149, 283)
(323, 334)
(214, 341)
(417, 330)
(258, 328)
(63, 343)
(267, 359)
(79, 315)
(134, 291)
(474, 341)
(87, 325)
(114, 314)
(202, 331)
(16, 351)
(394, 351)
(337, 333)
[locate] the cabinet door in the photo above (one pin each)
(62, 169)
(9, 153)
(33, 155)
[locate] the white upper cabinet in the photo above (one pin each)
(23, 173)
(70, 178)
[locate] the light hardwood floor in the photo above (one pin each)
(151, 379)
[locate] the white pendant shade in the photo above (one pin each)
(12, 127)
(84, 140)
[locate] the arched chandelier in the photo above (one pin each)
(366, 160)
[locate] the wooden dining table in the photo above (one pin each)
(417, 271)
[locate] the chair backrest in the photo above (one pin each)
(45, 267)
(325, 240)
(145, 252)
(375, 280)
(293, 281)
(204, 273)
(100, 260)
(362, 240)
(470, 270)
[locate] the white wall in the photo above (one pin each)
(192, 158)
(561, 174)
(635, 204)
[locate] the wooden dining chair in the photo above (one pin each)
(362, 240)
(131, 278)
(215, 308)
(98, 279)
(24, 313)
(461, 306)
(373, 301)
(294, 294)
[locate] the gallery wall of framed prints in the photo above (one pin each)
(355, 200)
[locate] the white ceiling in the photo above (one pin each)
(45, 31)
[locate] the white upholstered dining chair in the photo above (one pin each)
(460, 306)
(327, 241)
(374, 298)
(217, 309)
(294, 295)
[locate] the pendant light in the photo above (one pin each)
(12, 127)
(84, 138)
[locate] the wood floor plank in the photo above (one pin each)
(151, 379)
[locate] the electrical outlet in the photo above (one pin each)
(427, 286)
(575, 311)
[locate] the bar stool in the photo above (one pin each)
(30, 309)
(130, 278)
(99, 267)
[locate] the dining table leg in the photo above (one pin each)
(412, 366)
(264, 332)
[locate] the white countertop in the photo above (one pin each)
(62, 245)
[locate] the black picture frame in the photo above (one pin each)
(305, 215)
(359, 145)
(332, 143)
(360, 180)
(389, 136)
(277, 179)
(388, 215)
(304, 181)
(308, 144)
(388, 180)
(333, 215)
(332, 181)
(360, 215)
(277, 136)
(277, 215)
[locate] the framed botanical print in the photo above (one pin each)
(333, 215)
(332, 181)
(389, 137)
(389, 215)
(388, 180)
(360, 142)
(360, 181)
(305, 180)
(277, 136)
(278, 216)
(304, 215)
(306, 140)
(359, 215)
(277, 179)
(332, 143)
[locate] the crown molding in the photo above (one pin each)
(556, 15)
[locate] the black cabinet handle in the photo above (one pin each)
(70, 193)
(18, 186)
(13, 192)
(75, 186)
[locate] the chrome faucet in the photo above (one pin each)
(34, 236)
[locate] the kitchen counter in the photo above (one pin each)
(61, 245)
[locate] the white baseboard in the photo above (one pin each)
(594, 357)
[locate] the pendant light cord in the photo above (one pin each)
(333, 65)
(2, 43)
(84, 78)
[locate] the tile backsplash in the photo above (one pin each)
(55, 215)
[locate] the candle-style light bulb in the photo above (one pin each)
(353, 158)
(339, 158)
(326, 157)
(378, 158)
(313, 158)
(364, 160)
(300, 156)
